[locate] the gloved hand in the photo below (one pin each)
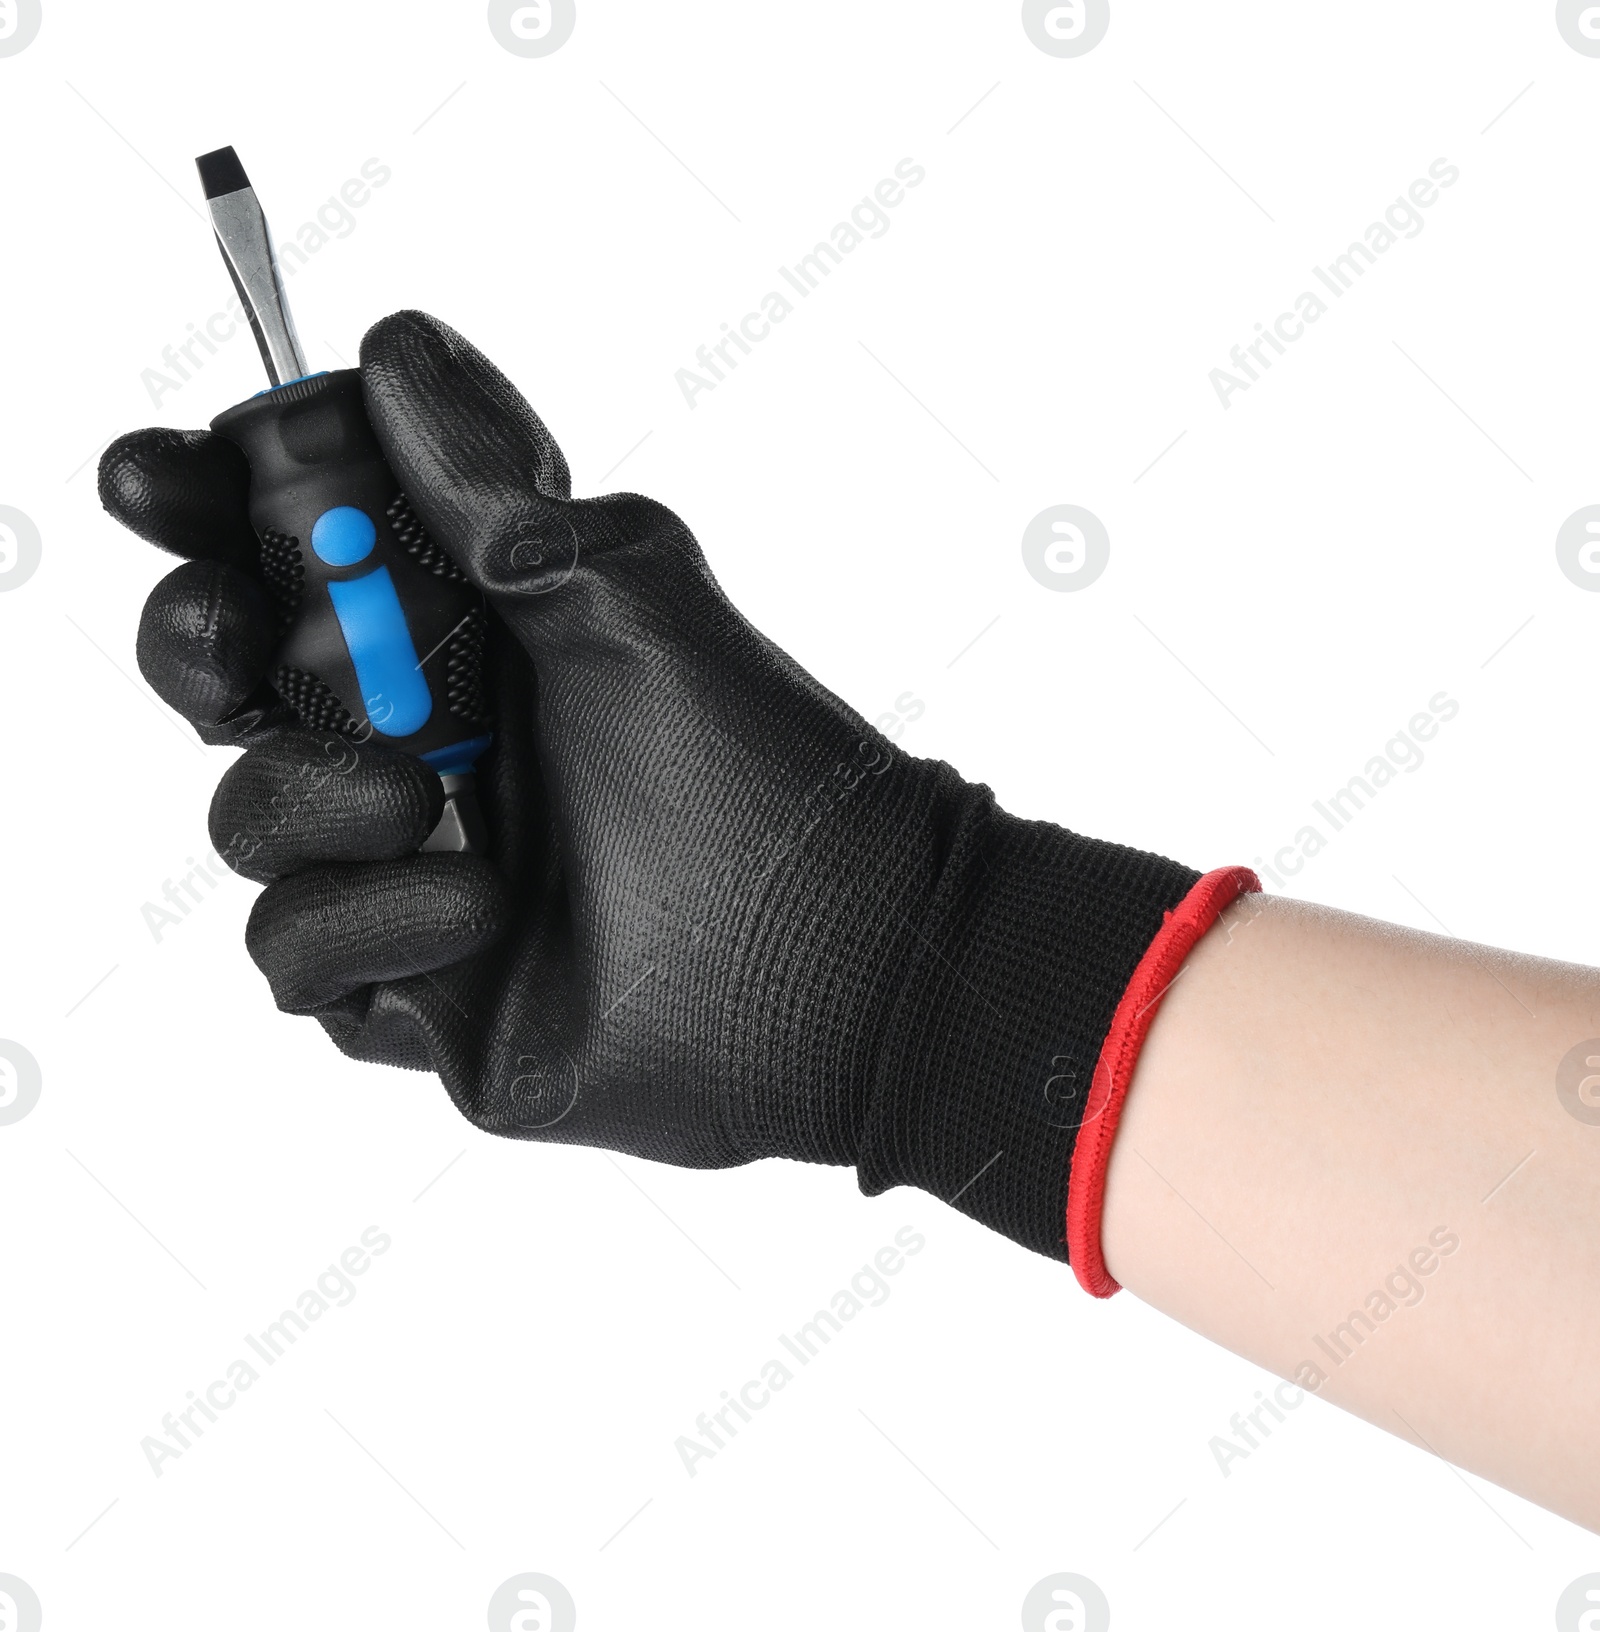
(720, 917)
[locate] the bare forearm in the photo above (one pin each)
(1345, 1157)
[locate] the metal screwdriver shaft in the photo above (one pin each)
(252, 263)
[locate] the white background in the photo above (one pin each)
(1294, 578)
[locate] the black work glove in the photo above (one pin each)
(720, 916)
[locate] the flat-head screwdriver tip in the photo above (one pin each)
(221, 172)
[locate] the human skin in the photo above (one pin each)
(1319, 1093)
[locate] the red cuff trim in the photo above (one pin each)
(1113, 1072)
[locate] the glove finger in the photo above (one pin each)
(185, 491)
(369, 1026)
(206, 638)
(309, 797)
(480, 468)
(321, 934)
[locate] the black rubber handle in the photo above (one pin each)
(382, 635)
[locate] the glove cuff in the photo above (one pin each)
(1119, 1054)
(1016, 975)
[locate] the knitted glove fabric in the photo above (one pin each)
(720, 917)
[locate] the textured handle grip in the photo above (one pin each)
(382, 635)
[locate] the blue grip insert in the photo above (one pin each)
(343, 535)
(459, 757)
(393, 689)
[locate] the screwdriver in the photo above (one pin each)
(383, 637)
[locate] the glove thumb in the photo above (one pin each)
(483, 473)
